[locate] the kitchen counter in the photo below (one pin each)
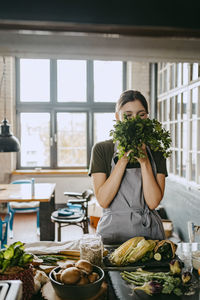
(117, 288)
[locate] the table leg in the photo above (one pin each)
(59, 232)
(47, 228)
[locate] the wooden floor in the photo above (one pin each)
(25, 229)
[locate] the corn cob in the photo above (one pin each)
(117, 256)
(139, 251)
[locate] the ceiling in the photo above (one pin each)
(133, 30)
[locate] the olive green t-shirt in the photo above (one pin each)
(102, 154)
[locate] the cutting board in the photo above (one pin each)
(49, 294)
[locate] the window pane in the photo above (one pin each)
(176, 135)
(193, 166)
(185, 73)
(107, 81)
(177, 164)
(179, 74)
(194, 134)
(160, 83)
(103, 123)
(175, 107)
(34, 80)
(184, 140)
(172, 76)
(165, 81)
(160, 111)
(184, 105)
(165, 110)
(194, 101)
(71, 139)
(195, 71)
(171, 162)
(35, 139)
(179, 107)
(172, 134)
(172, 112)
(71, 80)
(183, 164)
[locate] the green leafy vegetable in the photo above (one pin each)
(14, 255)
(165, 251)
(160, 282)
(153, 282)
(131, 134)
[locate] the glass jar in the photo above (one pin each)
(91, 249)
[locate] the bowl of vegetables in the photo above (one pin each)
(80, 280)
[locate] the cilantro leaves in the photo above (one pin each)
(132, 133)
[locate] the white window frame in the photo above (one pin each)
(165, 116)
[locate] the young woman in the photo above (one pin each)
(128, 193)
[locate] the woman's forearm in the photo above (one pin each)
(152, 191)
(106, 191)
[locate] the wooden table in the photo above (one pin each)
(44, 193)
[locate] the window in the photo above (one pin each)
(64, 107)
(183, 120)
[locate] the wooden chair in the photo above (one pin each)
(75, 213)
(23, 207)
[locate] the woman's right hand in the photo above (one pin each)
(125, 157)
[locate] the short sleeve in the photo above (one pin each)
(97, 162)
(160, 161)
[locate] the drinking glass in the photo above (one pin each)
(184, 252)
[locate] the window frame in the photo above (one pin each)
(172, 96)
(53, 107)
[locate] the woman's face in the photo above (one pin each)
(132, 109)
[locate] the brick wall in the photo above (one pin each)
(138, 78)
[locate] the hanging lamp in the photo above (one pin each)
(8, 142)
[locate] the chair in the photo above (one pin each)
(4, 231)
(23, 207)
(193, 230)
(75, 213)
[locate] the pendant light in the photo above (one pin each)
(8, 142)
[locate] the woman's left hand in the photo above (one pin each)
(143, 159)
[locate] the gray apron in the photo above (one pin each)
(128, 214)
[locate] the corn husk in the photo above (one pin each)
(117, 257)
(139, 251)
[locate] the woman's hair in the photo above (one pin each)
(130, 96)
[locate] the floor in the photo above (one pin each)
(25, 230)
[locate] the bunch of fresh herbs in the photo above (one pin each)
(14, 255)
(132, 133)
